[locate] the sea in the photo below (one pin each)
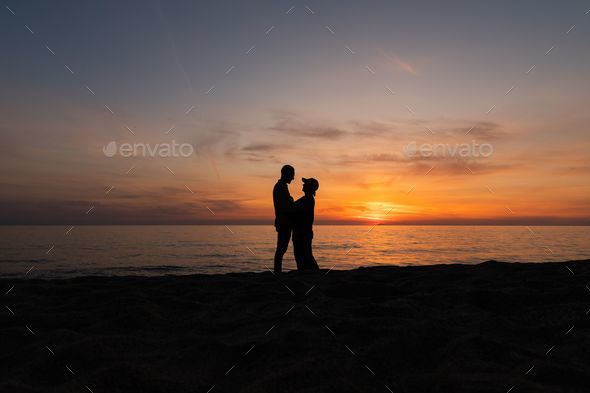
(64, 251)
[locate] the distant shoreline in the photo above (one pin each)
(583, 224)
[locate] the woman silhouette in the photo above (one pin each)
(303, 226)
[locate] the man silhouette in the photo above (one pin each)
(283, 203)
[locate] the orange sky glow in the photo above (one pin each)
(392, 127)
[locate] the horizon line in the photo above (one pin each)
(355, 223)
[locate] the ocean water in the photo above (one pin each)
(52, 251)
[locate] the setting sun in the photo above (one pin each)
(379, 211)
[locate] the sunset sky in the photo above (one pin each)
(338, 89)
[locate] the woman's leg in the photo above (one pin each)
(307, 260)
(311, 262)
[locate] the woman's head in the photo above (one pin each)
(310, 185)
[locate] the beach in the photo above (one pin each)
(488, 327)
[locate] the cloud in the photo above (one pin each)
(391, 59)
(262, 152)
(420, 165)
(478, 129)
(405, 66)
(452, 128)
(292, 124)
(386, 157)
(367, 159)
(72, 212)
(264, 147)
(448, 166)
(222, 205)
(209, 136)
(286, 124)
(373, 129)
(376, 184)
(574, 170)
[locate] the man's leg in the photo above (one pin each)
(283, 237)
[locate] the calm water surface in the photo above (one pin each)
(157, 250)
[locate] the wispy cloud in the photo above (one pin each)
(399, 63)
(486, 130)
(290, 125)
(405, 66)
(413, 166)
(265, 147)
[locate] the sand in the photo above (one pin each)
(443, 328)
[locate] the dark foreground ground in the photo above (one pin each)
(415, 329)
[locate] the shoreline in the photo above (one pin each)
(294, 272)
(437, 328)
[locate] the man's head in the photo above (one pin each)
(287, 173)
(310, 185)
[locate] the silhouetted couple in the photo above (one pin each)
(296, 218)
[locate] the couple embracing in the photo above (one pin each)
(294, 218)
